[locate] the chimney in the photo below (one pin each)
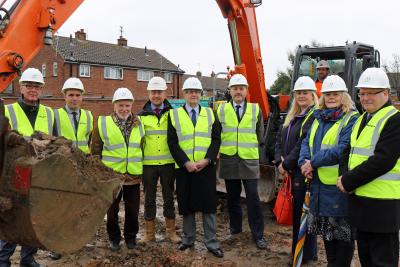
(80, 35)
(122, 41)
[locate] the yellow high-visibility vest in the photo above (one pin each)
(116, 154)
(193, 140)
(329, 174)
(20, 122)
(156, 150)
(65, 128)
(386, 186)
(239, 137)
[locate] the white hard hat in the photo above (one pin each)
(373, 78)
(157, 83)
(304, 83)
(323, 64)
(192, 83)
(122, 94)
(32, 75)
(238, 79)
(333, 83)
(73, 83)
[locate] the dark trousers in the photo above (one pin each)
(131, 195)
(310, 244)
(151, 173)
(339, 253)
(7, 250)
(378, 249)
(255, 216)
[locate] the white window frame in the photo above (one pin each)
(145, 75)
(113, 73)
(168, 76)
(84, 70)
(55, 69)
(44, 70)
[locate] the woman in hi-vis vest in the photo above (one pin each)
(294, 129)
(319, 163)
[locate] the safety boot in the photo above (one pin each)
(170, 231)
(150, 232)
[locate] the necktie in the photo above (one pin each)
(194, 117)
(75, 119)
(369, 117)
(237, 112)
(157, 111)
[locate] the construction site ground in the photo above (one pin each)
(240, 252)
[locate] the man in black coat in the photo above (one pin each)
(189, 128)
(374, 173)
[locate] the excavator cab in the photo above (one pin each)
(347, 61)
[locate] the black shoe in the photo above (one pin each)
(54, 255)
(114, 245)
(131, 244)
(183, 247)
(261, 243)
(217, 252)
(32, 263)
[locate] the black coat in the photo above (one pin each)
(195, 191)
(288, 146)
(369, 214)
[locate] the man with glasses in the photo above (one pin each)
(26, 116)
(373, 175)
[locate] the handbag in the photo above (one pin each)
(283, 209)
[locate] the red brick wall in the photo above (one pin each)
(99, 90)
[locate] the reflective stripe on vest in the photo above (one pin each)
(65, 128)
(156, 150)
(309, 114)
(329, 174)
(386, 186)
(193, 140)
(20, 122)
(116, 154)
(239, 138)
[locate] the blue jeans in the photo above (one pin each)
(255, 217)
(7, 249)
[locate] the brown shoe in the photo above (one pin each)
(149, 233)
(170, 231)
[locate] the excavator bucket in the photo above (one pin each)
(55, 198)
(267, 183)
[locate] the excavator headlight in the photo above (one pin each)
(255, 2)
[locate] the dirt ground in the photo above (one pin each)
(239, 252)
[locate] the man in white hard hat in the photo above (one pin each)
(118, 140)
(157, 161)
(323, 72)
(373, 176)
(194, 141)
(242, 132)
(73, 122)
(26, 116)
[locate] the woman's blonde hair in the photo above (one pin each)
(346, 102)
(295, 109)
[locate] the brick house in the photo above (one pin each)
(102, 67)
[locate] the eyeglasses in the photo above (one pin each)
(32, 86)
(369, 94)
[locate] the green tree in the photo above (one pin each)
(282, 83)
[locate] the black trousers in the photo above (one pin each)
(150, 176)
(339, 253)
(131, 196)
(255, 216)
(378, 249)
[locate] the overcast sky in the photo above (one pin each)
(193, 33)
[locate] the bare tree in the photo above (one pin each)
(393, 71)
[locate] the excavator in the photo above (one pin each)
(27, 197)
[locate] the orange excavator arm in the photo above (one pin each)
(24, 28)
(242, 24)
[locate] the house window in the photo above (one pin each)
(55, 69)
(145, 75)
(168, 77)
(84, 70)
(44, 70)
(113, 73)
